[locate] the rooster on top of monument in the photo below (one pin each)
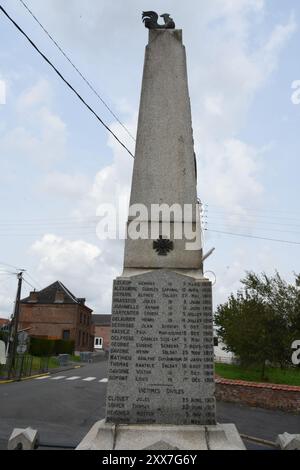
(150, 19)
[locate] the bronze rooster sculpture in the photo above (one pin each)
(150, 19)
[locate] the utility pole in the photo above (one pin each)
(13, 334)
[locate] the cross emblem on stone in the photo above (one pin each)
(163, 246)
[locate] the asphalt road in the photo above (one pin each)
(64, 406)
(61, 410)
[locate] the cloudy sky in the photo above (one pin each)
(58, 163)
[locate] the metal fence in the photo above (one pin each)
(225, 359)
(25, 365)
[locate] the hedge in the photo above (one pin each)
(50, 347)
(4, 336)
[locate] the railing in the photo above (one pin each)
(225, 359)
(25, 365)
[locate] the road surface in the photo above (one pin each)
(64, 406)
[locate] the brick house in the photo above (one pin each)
(55, 313)
(101, 331)
(4, 322)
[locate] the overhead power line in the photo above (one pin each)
(228, 213)
(251, 209)
(33, 279)
(246, 227)
(10, 266)
(246, 219)
(77, 69)
(252, 236)
(65, 81)
(27, 282)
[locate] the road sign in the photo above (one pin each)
(22, 337)
(22, 348)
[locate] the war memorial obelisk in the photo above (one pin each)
(161, 387)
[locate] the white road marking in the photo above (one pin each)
(59, 377)
(103, 380)
(89, 379)
(44, 377)
(75, 377)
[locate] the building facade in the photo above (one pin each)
(4, 323)
(101, 331)
(55, 313)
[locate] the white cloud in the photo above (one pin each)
(112, 183)
(38, 134)
(229, 174)
(79, 265)
(38, 95)
(55, 253)
(223, 86)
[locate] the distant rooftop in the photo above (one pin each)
(101, 319)
(54, 294)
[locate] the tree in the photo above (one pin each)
(260, 323)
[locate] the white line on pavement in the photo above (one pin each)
(75, 377)
(103, 380)
(58, 377)
(89, 379)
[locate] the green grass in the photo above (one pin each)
(74, 358)
(273, 375)
(36, 363)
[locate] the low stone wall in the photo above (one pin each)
(263, 395)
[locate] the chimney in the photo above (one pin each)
(33, 297)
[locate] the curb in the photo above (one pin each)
(64, 370)
(24, 378)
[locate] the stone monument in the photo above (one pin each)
(161, 387)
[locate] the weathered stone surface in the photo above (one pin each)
(164, 165)
(100, 436)
(23, 439)
(107, 436)
(224, 437)
(288, 441)
(160, 437)
(161, 359)
(164, 169)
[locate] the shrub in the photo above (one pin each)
(41, 347)
(48, 347)
(64, 347)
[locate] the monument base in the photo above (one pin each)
(108, 436)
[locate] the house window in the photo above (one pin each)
(216, 341)
(66, 335)
(98, 343)
(80, 317)
(79, 337)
